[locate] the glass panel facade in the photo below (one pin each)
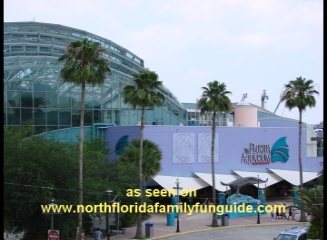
(45, 39)
(88, 118)
(13, 99)
(27, 115)
(32, 37)
(52, 100)
(45, 49)
(17, 37)
(124, 118)
(65, 100)
(16, 48)
(58, 50)
(39, 116)
(133, 117)
(64, 117)
(59, 40)
(35, 95)
(30, 48)
(6, 48)
(40, 99)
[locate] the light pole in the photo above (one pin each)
(52, 204)
(118, 217)
(177, 187)
(108, 225)
(258, 220)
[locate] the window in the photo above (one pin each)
(16, 48)
(114, 48)
(45, 49)
(137, 60)
(59, 40)
(17, 37)
(124, 70)
(129, 55)
(126, 63)
(44, 38)
(32, 38)
(6, 37)
(76, 35)
(58, 50)
(30, 48)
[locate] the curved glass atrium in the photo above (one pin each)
(35, 96)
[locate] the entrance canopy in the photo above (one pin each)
(272, 178)
(225, 178)
(187, 183)
(293, 177)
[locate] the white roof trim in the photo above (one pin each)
(225, 178)
(187, 183)
(293, 176)
(272, 178)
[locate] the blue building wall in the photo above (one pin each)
(72, 134)
(231, 144)
(67, 134)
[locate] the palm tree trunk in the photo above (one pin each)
(80, 160)
(139, 234)
(302, 217)
(214, 200)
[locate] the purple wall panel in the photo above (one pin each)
(231, 143)
(113, 134)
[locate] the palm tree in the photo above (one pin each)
(83, 64)
(143, 93)
(299, 94)
(312, 201)
(214, 100)
(151, 157)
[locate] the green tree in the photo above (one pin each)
(151, 157)
(128, 168)
(37, 170)
(83, 64)
(299, 94)
(144, 92)
(214, 99)
(312, 200)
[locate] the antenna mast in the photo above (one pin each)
(264, 97)
(245, 95)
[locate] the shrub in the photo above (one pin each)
(315, 230)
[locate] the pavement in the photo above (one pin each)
(197, 226)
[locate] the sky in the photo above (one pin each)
(250, 45)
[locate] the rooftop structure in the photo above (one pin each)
(35, 96)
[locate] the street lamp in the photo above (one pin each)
(52, 204)
(108, 225)
(258, 220)
(118, 217)
(177, 184)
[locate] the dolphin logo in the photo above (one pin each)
(121, 144)
(280, 151)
